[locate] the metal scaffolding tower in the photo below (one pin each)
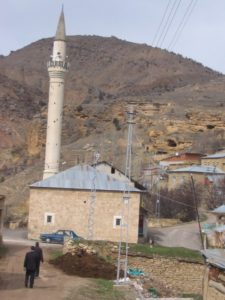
(157, 206)
(92, 200)
(125, 205)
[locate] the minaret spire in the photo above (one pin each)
(61, 28)
(57, 68)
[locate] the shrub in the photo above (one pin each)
(116, 122)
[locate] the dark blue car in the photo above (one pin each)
(58, 236)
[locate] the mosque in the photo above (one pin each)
(61, 200)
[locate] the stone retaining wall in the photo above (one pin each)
(180, 277)
(213, 294)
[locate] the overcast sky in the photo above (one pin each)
(202, 38)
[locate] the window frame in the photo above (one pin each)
(115, 218)
(48, 214)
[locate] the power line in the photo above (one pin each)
(166, 23)
(183, 23)
(170, 23)
(163, 18)
(172, 200)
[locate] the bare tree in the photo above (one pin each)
(215, 194)
(178, 203)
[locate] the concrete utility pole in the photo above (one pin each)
(57, 68)
(125, 205)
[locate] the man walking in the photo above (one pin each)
(30, 263)
(40, 258)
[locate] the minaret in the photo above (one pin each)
(57, 68)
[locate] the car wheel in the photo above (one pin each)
(48, 240)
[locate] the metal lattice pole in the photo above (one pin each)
(125, 205)
(92, 200)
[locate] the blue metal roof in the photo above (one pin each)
(220, 228)
(215, 155)
(199, 169)
(215, 257)
(220, 209)
(81, 177)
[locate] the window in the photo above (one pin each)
(117, 220)
(49, 219)
(112, 170)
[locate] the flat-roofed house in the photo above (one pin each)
(220, 214)
(181, 159)
(215, 160)
(203, 175)
(62, 202)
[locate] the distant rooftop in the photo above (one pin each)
(81, 177)
(215, 257)
(215, 155)
(199, 169)
(220, 209)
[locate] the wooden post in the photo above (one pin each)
(205, 283)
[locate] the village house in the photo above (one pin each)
(214, 274)
(215, 160)
(181, 159)
(204, 175)
(62, 202)
(220, 214)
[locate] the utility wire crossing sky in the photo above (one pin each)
(192, 28)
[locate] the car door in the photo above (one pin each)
(59, 236)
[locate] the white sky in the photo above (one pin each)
(203, 38)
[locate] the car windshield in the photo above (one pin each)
(59, 232)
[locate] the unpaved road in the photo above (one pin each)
(52, 284)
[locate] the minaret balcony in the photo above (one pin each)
(58, 64)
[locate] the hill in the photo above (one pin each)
(179, 107)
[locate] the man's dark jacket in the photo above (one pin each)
(39, 253)
(30, 261)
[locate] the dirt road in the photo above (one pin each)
(52, 284)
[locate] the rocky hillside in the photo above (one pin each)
(179, 106)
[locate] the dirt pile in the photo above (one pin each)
(85, 265)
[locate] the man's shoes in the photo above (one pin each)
(26, 285)
(31, 286)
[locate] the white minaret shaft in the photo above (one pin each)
(57, 68)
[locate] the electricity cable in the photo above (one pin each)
(162, 20)
(170, 23)
(182, 24)
(166, 23)
(172, 200)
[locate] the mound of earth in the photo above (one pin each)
(85, 265)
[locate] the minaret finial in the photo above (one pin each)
(61, 31)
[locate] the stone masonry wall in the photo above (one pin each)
(180, 277)
(213, 294)
(71, 211)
